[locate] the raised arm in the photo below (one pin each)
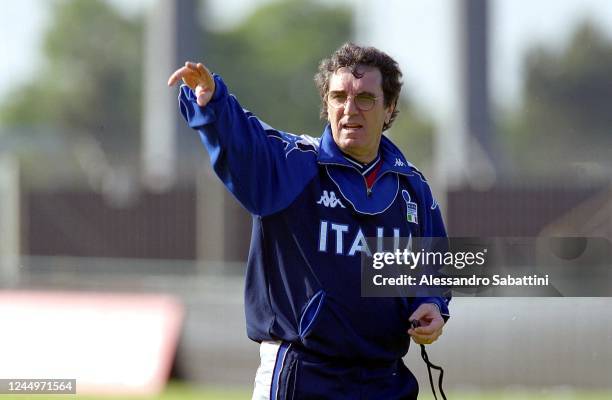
(264, 168)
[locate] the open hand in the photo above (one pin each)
(198, 78)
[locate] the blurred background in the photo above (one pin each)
(506, 108)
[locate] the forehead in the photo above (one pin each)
(344, 80)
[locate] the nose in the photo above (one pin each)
(350, 108)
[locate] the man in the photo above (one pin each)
(314, 201)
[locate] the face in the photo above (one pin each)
(355, 131)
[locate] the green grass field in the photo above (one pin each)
(521, 395)
(179, 391)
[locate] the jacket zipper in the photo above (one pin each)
(368, 190)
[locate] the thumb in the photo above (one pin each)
(203, 95)
(422, 311)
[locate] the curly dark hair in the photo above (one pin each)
(351, 56)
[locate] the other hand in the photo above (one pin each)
(431, 324)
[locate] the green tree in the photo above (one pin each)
(565, 111)
(269, 61)
(89, 85)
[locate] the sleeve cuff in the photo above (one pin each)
(195, 115)
(439, 302)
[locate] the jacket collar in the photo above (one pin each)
(392, 158)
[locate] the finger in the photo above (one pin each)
(422, 340)
(425, 339)
(418, 314)
(415, 333)
(176, 75)
(193, 68)
(426, 331)
(191, 65)
(433, 326)
(426, 310)
(201, 69)
(206, 75)
(203, 96)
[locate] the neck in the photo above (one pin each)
(364, 159)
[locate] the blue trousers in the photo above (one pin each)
(299, 375)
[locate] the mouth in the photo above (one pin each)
(351, 127)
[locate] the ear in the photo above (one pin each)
(328, 111)
(389, 112)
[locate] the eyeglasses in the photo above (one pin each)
(364, 102)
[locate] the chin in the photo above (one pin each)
(348, 144)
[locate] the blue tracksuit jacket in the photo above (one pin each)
(311, 215)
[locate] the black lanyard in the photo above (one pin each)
(430, 365)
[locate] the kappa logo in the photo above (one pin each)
(399, 163)
(411, 208)
(330, 200)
